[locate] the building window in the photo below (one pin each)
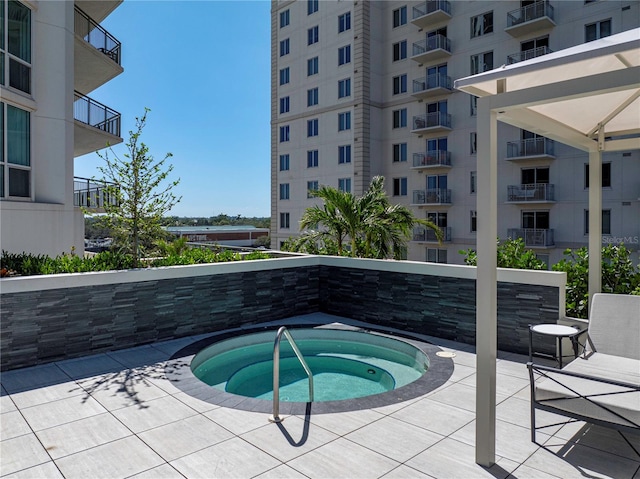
(344, 154)
(284, 133)
(15, 126)
(535, 220)
(534, 176)
(312, 97)
(284, 220)
(474, 221)
(400, 187)
(312, 6)
(474, 142)
(284, 47)
(474, 105)
(284, 104)
(481, 24)
(606, 222)
(344, 121)
(284, 18)
(312, 127)
(400, 118)
(400, 16)
(597, 30)
(284, 76)
(399, 152)
(436, 255)
(311, 187)
(17, 26)
(344, 22)
(400, 84)
(312, 159)
(400, 50)
(284, 162)
(606, 175)
(312, 35)
(481, 62)
(344, 88)
(474, 182)
(312, 66)
(284, 191)
(344, 55)
(344, 184)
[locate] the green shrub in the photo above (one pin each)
(511, 253)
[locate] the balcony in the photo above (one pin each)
(431, 12)
(533, 237)
(532, 193)
(96, 125)
(431, 197)
(97, 54)
(527, 55)
(530, 19)
(436, 122)
(539, 148)
(432, 85)
(93, 194)
(427, 235)
(431, 49)
(432, 159)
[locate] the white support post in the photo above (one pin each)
(595, 223)
(486, 284)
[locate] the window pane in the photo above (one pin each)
(18, 129)
(19, 76)
(606, 222)
(18, 182)
(19, 31)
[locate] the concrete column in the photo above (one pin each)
(486, 284)
(595, 223)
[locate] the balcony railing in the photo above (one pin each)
(531, 12)
(432, 120)
(427, 234)
(95, 114)
(97, 36)
(93, 194)
(431, 82)
(528, 55)
(432, 197)
(429, 7)
(531, 192)
(533, 237)
(429, 44)
(432, 158)
(539, 146)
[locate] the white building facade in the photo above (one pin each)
(53, 54)
(365, 88)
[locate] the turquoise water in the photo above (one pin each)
(345, 365)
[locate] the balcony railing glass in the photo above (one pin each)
(93, 194)
(432, 158)
(432, 43)
(95, 114)
(427, 234)
(530, 147)
(531, 192)
(97, 36)
(431, 82)
(528, 54)
(530, 12)
(532, 236)
(431, 197)
(429, 7)
(432, 120)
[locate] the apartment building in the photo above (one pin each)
(363, 88)
(53, 55)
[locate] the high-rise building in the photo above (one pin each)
(52, 55)
(364, 88)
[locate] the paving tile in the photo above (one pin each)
(526, 472)
(406, 472)
(166, 471)
(394, 438)
(34, 377)
(62, 411)
(509, 367)
(460, 372)
(139, 356)
(237, 421)
(281, 472)
(13, 424)
(199, 404)
(127, 388)
(46, 394)
(172, 346)
(344, 423)
(452, 459)
(184, 437)
(117, 459)
(343, 458)
(435, 416)
(289, 439)
(150, 414)
(89, 366)
(391, 408)
(6, 403)
(605, 439)
(47, 470)
(228, 459)
(518, 411)
(20, 453)
(505, 385)
(462, 395)
(80, 435)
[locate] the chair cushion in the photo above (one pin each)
(614, 324)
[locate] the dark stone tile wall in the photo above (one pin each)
(44, 326)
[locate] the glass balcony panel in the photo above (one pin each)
(533, 237)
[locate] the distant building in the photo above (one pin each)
(223, 235)
(54, 54)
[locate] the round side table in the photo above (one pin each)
(559, 332)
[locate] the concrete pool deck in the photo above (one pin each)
(118, 415)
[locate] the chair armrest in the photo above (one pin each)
(543, 369)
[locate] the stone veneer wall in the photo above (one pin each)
(61, 320)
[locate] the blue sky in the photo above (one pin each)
(203, 68)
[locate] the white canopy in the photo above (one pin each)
(587, 97)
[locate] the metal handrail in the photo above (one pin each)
(276, 371)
